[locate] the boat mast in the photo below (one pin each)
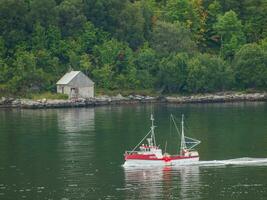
(183, 145)
(153, 138)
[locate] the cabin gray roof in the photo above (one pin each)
(68, 77)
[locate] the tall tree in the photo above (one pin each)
(208, 73)
(214, 10)
(53, 38)
(105, 13)
(190, 13)
(146, 63)
(27, 76)
(2, 47)
(230, 30)
(254, 15)
(251, 66)
(173, 72)
(43, 12)
(131, 25)
(234, 5)
(171, 38)
(13, 21)
(39, 37)
(116, 57)
(71, 17)
(89, 37)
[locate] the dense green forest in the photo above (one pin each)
(185, 46)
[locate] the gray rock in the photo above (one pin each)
(2, 100)
(16, 102)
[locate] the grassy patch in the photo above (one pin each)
(47, 95)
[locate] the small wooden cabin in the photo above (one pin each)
(76, 85)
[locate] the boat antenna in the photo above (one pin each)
(192, 142)
(183, 145)
(153, 138)
(166, 143)
(177, 129)
(175, 125)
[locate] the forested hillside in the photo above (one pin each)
(169, 45)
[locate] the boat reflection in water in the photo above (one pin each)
(169, 182)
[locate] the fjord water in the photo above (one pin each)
(77, 153)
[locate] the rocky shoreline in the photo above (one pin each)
(132, 99)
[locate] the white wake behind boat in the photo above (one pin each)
(151, 154)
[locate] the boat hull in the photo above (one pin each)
(161, 162)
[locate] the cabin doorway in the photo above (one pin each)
(74, 93)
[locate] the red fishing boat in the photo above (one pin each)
(151, 154)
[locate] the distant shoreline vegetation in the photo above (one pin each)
(168, 46)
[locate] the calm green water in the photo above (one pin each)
(77, 153)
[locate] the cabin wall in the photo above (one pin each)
(67, 90)
(63, 89)
(86, 92)
(83, 92)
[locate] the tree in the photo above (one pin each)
(208, 73)
(2, 47)
(117, 57)
(4, 71)
(234, 5)
(146, 63)
(171, 38)
(86, 64)
(181, 11)
(89, 37)
(53, 38)
(229, 29)
(254, 14)
(200, 29)
(173, 72)
(26, 75)
(189, 13)
(71, 17)
(263, 44)
(13, 21)
(39, 37)
(49, 68)
(104, 76)
(126, 44)
(146, 58)
(214, 10)
(43, 12)
(105, 14)
(148, 9)
(131, 25)
(251, 66)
